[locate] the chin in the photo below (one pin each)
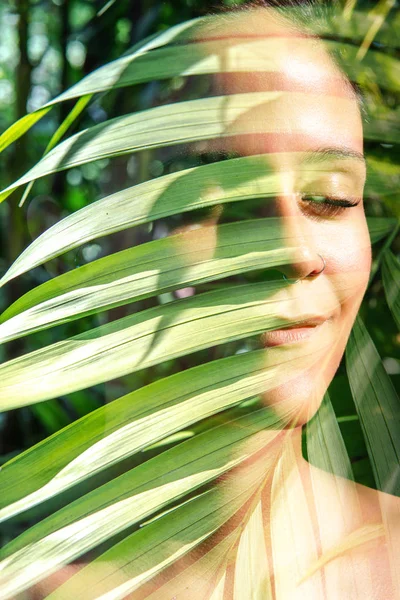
(297, 401)
(298, 396)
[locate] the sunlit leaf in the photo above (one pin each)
(25, 123)
(63, 128)
(196, 257)
(190, 121)
(20, 127)
(201, 57)
(130, 498)
(218, 183)
(136, 421)
(148, 338)
(391, 283)
(159, 544)
(176, 262)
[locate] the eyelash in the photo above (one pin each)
(326, 205)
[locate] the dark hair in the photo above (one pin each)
(302, 13)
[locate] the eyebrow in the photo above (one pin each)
(322, 154)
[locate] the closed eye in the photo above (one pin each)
(327, 205)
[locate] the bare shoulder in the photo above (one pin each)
(379, 506)
(374, 504)
(377, 522)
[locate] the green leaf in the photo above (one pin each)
(227, 181)
(68, 121)
(149, 551)
(171, 263)
(147, 338)
(380, 227)
(25, 123)
(325, 445)
(63, 128)
(17, 129)
(377, 405)
(156, 267)
(131, 498)
(136, 421)
(391, 283)
(184, 122)
(229, 55)
(178, 123)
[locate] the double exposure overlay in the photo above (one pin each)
(240, 439)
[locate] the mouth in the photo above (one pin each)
(292, 333)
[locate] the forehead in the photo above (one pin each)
(293, 122)
(316, 105)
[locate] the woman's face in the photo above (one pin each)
(316, 144)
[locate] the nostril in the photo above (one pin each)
(307, 264)
(314, 273)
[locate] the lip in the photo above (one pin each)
(291, 334)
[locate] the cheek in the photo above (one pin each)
(346, 247)
(348, 257)
(347, 251)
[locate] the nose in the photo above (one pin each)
(298, 233)
(308, 264)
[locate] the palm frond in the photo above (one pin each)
(165, 495)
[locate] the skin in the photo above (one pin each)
(316, 144)
(312, 136)
(326, 120)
